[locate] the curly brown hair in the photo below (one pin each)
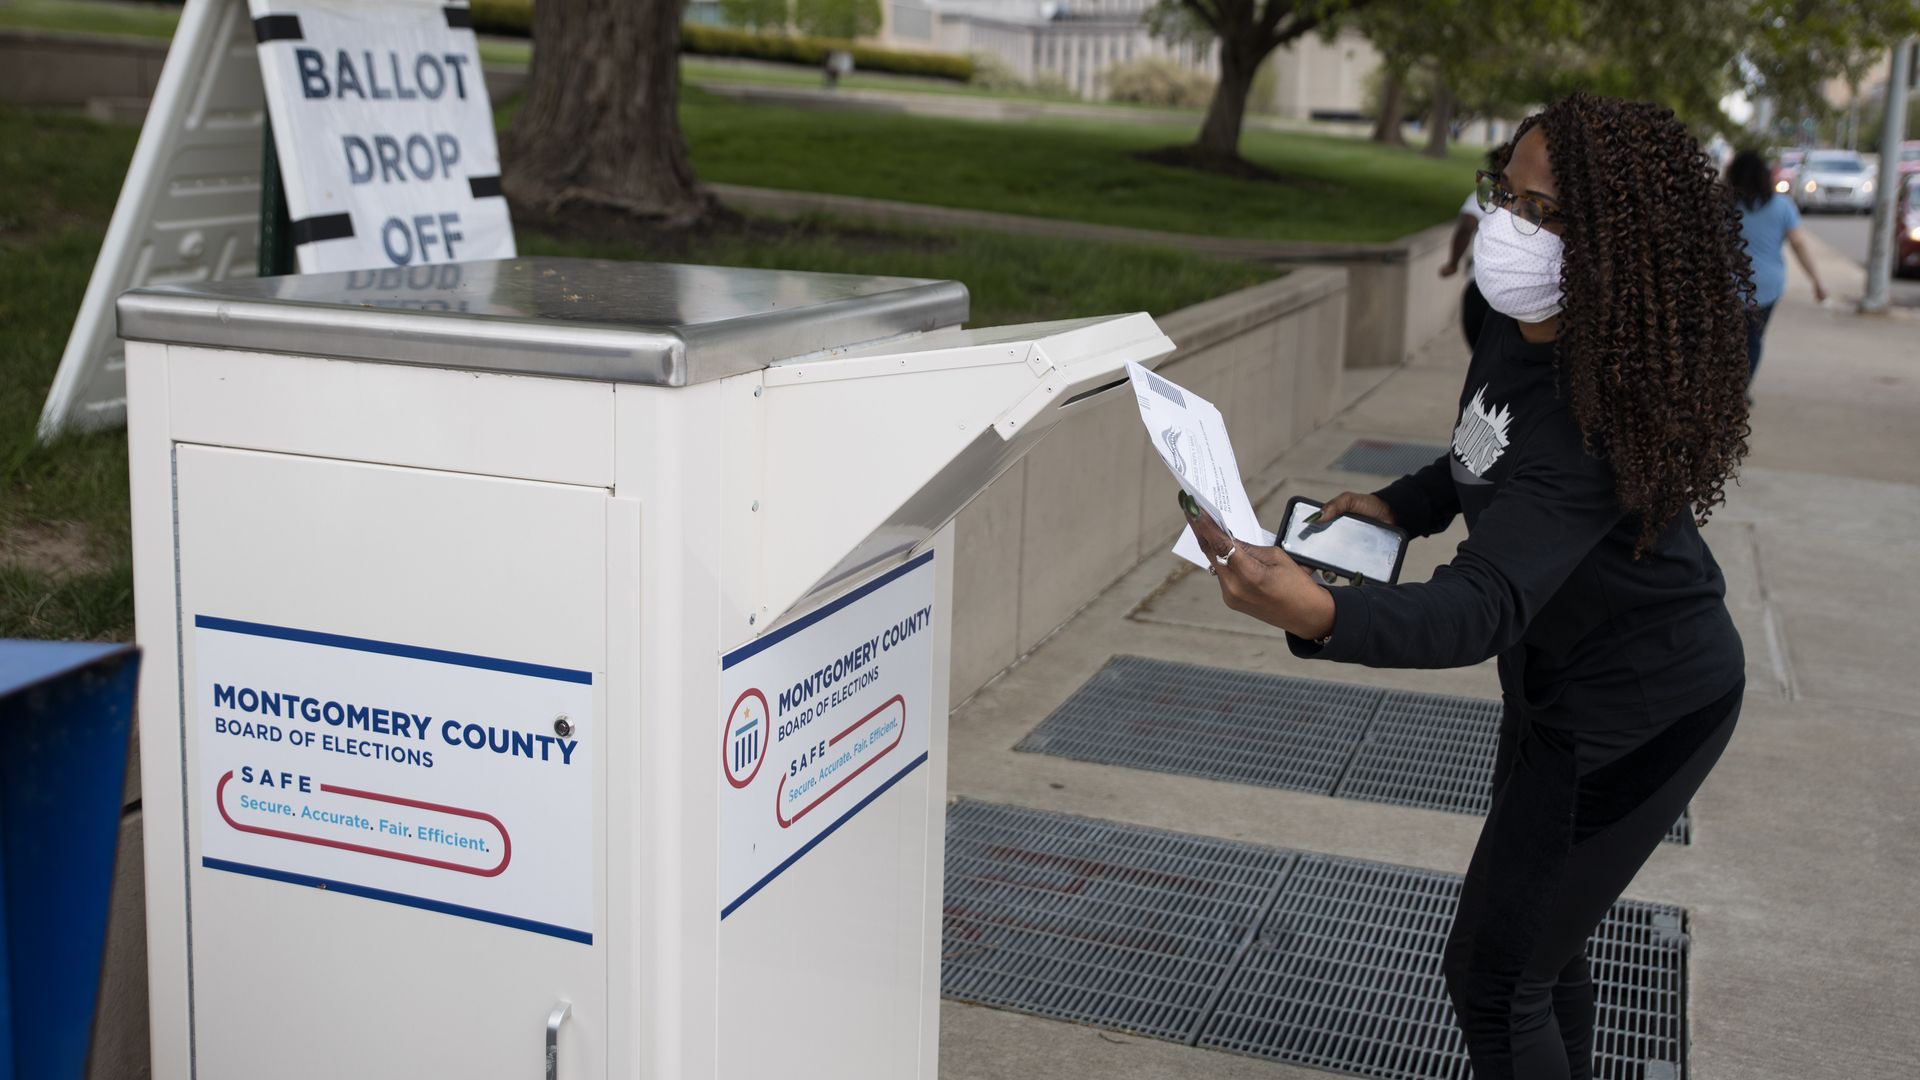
(1657, 293)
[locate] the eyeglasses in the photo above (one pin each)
(1529, 211)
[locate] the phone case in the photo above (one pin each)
(1399, 556)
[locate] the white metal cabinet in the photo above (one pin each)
(523, 490)
(333, 979)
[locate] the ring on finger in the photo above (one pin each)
(1221, 560)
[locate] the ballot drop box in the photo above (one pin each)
(547, 661)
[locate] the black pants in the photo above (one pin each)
(1574, 817)
(1756, 336)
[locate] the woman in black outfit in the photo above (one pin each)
(1603, 413)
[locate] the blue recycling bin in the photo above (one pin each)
(66, 709)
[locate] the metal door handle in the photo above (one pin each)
(554, 1019)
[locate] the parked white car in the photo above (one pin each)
(1833, 180)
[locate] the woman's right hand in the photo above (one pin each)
(1353, 502)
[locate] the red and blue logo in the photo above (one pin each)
(743, 745)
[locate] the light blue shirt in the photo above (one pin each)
(1765, 231)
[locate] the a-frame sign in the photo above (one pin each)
(384, 143)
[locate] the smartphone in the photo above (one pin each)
(1350, 545)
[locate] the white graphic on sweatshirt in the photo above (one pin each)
(1481, 436)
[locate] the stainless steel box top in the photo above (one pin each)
(659, 324)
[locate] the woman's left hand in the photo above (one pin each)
(1264, 583)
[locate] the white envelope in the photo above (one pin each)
(1192, 440)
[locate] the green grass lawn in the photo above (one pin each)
(90, 17)
(1011, 279)
(61, 175)
(64, 566)
(1336, 189)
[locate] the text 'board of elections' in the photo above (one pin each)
(455, 783)
(384, 133)
(818, 719)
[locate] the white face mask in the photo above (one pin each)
(1517, 273)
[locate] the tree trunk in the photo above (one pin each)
(1442, 120)
(1386, 127)
(1220, 133)
(600, 130)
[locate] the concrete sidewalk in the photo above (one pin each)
(1805, 934)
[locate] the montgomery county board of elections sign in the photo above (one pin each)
(818, 719)
(384, 132)
(189, 210)
(454, 783)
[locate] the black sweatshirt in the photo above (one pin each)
(1588, 637)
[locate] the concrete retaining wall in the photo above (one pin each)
(52, 69)
(1398, 301)
(1093, 499)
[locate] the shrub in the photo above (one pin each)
(929, 65)
(1051, 86)
(845, 19)
(1157, 82)
(764, 15)
(990, 73)
(510, 18)
(812, 51)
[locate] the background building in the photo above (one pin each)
(1077, 41)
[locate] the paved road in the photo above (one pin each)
(1850, 233)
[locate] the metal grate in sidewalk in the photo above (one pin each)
(1267, 730)
(1092, 921)
(1345, 975)
(1431, 751)
(1436, 752)
(1387, 457)
(1310, 959)
(1638, 960)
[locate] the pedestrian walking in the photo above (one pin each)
(1768, 223)
(1602, 416)
(1471, 300)
(1473, 304)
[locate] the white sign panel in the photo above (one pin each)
(818, 718)
(455, 783)
(385, 135)
(188, 212)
